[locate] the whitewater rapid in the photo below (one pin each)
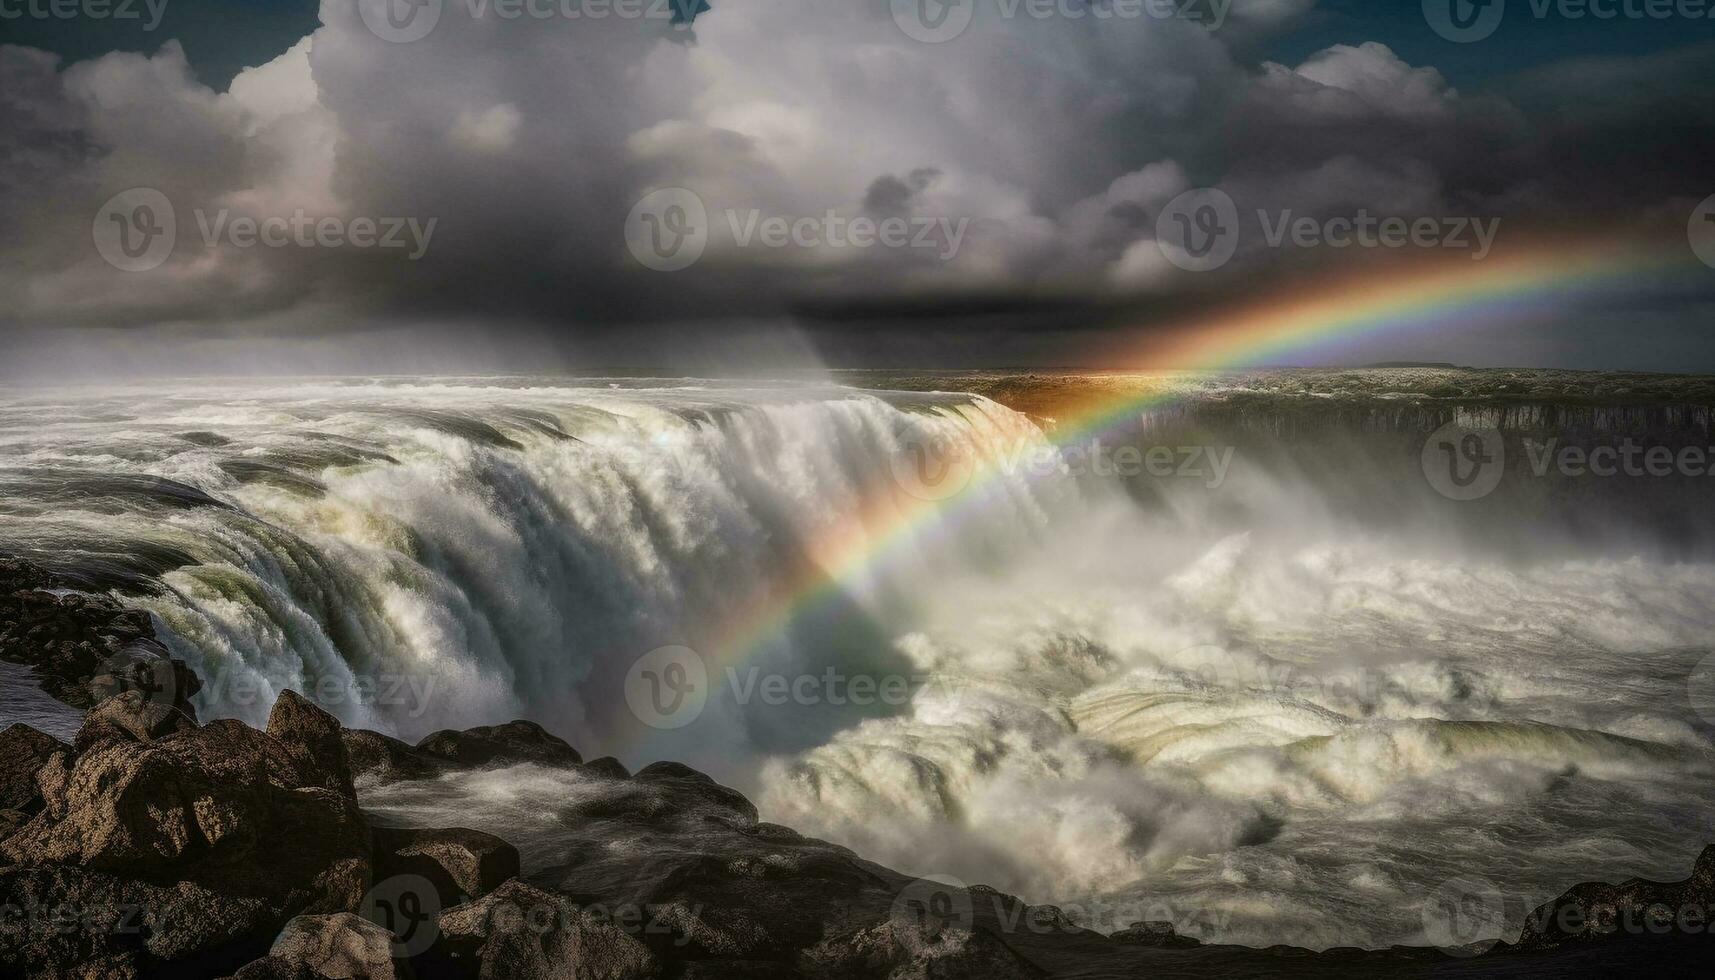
(1235, 706)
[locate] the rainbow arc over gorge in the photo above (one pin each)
(1497, 291)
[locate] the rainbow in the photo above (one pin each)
(1500, 290)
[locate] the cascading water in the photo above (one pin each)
(1277, 700)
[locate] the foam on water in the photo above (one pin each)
(1244, 704)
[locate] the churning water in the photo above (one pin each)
(1282, 702)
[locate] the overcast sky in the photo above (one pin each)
(533, 185)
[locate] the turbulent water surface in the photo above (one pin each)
(1280, 700)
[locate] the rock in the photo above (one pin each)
(461, 864)
(1595, 912)
(220, 833)
(312, 736)
(375, 757)
(84, 648)
(508, 744)
(607, 767)
(341, 946)
(23, 752)
(130, 716)
(898, 950)
(524, 933)
(1160, 934)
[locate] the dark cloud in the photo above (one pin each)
(1044, 151)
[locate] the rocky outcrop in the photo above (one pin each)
(23, 752)
(524, 933)
(342, 946)
(84, 648)
(1635, 909)
(508, 744)
(190, 845)
(460, 864)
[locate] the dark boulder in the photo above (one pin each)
(220, 834)
(375, 757)
(23, 752)
(312, 737)
(519, 932)
(1636, 909)
(460, 864)
(340, 946)
(133, 717)
(508, 744)
(1158, 934)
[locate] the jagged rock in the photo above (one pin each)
(220, 833)
(312, 736)
(461, 864)
(1595, 911)
(23, 752)
(341, 946)
(130, 716)
(524, 933)
(508, 744)
(380, 758)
